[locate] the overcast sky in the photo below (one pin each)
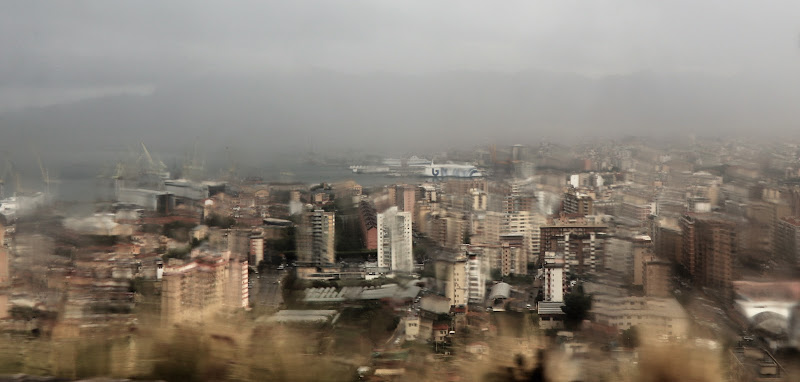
(58, 50)
(398, 77)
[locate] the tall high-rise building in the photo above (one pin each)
(405, 198)
(656, 278)
(475, 278)
(709, 245)
(369, 224)
(449, 231)
(395, 241)
(642, 253)
(256, 250)
(528, 225)
(582, 242)
(578, 203)
(553, 277)
(514, 260)
(452, 280)
(787, 239)
(315, 238)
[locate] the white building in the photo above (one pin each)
(656, 316)
(553, 277)
(475, 279)
(395, 241)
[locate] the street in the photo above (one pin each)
(266, 290)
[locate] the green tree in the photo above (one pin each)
(215, 220)
(576, 307)
(630, 337)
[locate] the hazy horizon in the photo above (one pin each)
(268, 81)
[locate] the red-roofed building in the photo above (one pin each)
(440, 332)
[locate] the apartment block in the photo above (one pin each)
(709, 246)
(190, 291)
(787, 239)
(315, 238)
(395, 250)
(657, 278)
(581, 241)
(654, 316)
(452, 280)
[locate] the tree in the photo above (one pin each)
(630, 337)
(496, 274)
(215, 220)
(576, 307)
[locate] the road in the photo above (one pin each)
(266, 290)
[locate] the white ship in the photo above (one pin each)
(414, 161)
(370, 169)
(21, 205)
(450, 170)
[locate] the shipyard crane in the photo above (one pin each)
(45, 174)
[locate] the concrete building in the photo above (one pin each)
(405, 198)
(619, 255)
(582, 242)
(709, 245)
(476, 281)
(152, 200)
(787, 239)
(668, 243)
(528, 225)
(514, 260)
(657, 278)
(654, 316)
(448, 231)
(256, 247)
(577, 203)
(5, 272)
(479, 200)
(635, 212)
(554, 277)
(315, 238)
(191, 291)
(369, 224)
(412, 327)
(395, 250)
(642, 253)
(452, 280)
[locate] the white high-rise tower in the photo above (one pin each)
(395, 241)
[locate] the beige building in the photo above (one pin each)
(412, 323)
(448, 231)
(451, 278)
(514, 260)
(657, 278)
(642, 253)
(655, 316)
(193, 290)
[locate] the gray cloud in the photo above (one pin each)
(114, 43)
(272, 74)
